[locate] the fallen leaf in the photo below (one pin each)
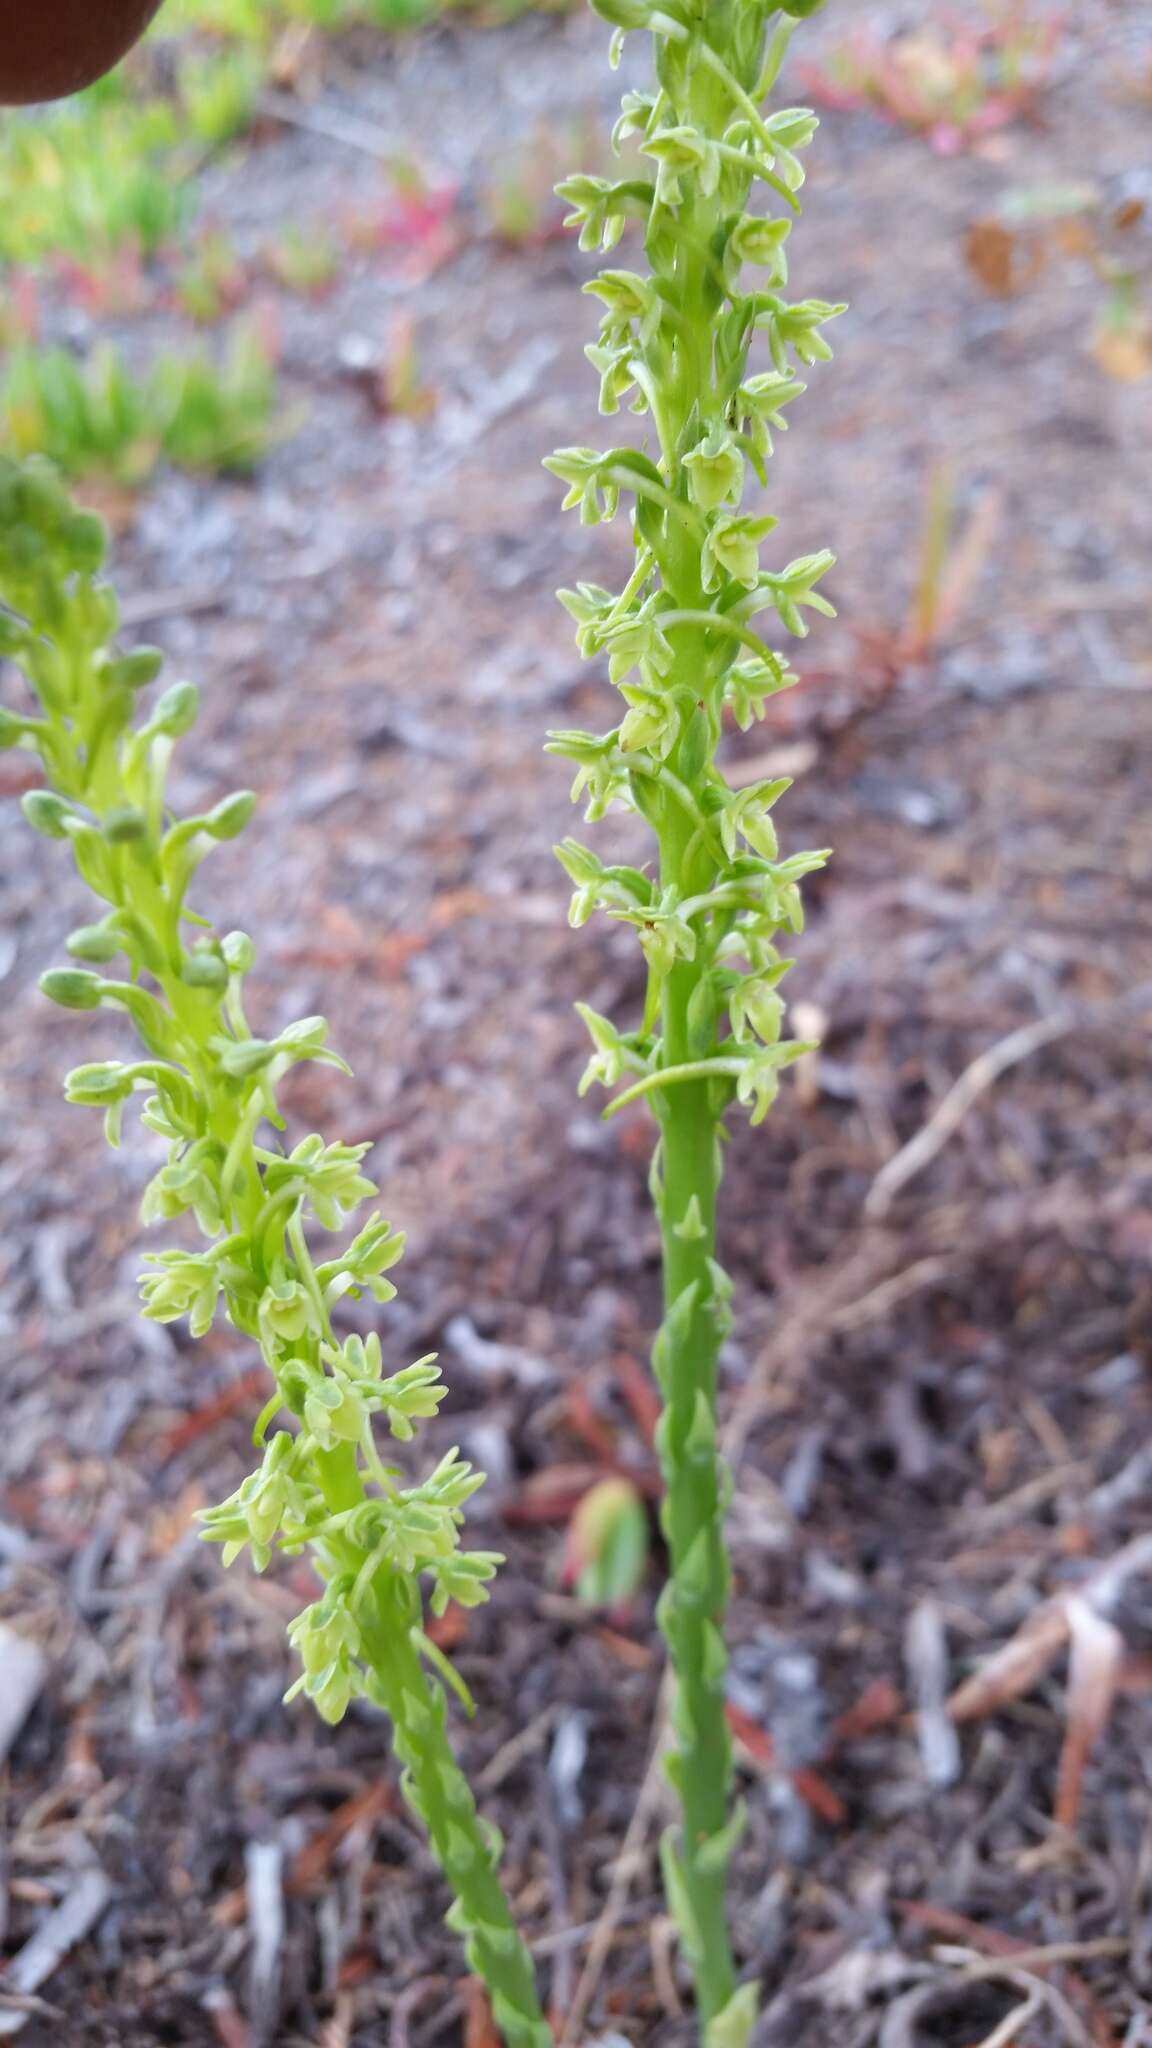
(1095, 1665)
(1000, 259)
(1015, 1668)
(1125, 354)
(1099, 1665)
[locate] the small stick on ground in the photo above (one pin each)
(42, 1954)
(627, 1864)
(986, 1068)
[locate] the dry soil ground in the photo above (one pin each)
(941, 1401)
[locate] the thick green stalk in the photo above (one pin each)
(466, 1850)
(692, 1610)
(692, 1614)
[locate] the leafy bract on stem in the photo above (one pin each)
(708, 349)
(381, 1545)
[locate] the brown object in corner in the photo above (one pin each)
(49, 48)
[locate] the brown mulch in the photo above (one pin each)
(938, 1391)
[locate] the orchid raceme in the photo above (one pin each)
(685, 645)
(380, 1546)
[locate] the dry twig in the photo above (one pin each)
(977, 1077)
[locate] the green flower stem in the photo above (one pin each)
(466, 1848)
(678, 345)
(321, 1485)
(692, 1619)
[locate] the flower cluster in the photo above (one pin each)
(209, 1085)
(682, 641)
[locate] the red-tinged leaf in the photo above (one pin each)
(358, 1967)
(311, 1864)
(606, 1553)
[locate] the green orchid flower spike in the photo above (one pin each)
(380, 1547)
(684, 646)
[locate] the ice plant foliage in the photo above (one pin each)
(209, 1085)
(706, 345)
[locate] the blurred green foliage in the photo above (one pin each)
(103, 419)
(100, 195)
(83, 179)
(258, 20)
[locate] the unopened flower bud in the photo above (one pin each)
(96, 942)
(177, 710)
(72, 988)
(227, 819)
(47, 813)
(125, 824)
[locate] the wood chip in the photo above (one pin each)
(23, 1669)
(926, 1656)
(72, 1919)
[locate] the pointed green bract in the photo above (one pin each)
(209, 1088)
(706, 349)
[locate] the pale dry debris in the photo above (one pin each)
(69, 1922)
(23, 1669)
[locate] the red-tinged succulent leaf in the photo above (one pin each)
(607, 1549)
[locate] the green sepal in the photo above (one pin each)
(700, 1442)
(460, 1851)
(458, 1918)
(714, 1855)
(678, 1894)
(714, 1661)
